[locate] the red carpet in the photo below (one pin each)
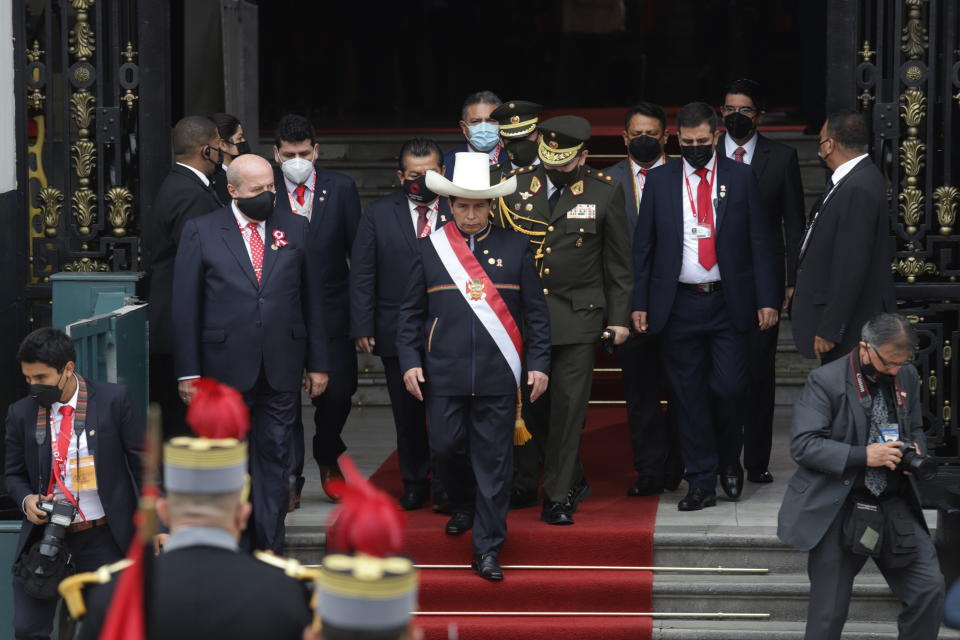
(610, 529)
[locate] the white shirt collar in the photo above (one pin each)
(309, 184)
(689, 169)
(731, 145)
(635, 166)
(200, 174)
(242, 222)
(55, 407)
(433, 206)
(841, 171)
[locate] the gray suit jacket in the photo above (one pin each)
(828, 442)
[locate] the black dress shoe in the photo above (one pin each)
(645, 486)
(555, 513)
(697, 499)
(731, 480)
(459, 523)
(522, 499)
(413, 498)
(760, 477)
(488, 567)
(441, 502)
(577, 494)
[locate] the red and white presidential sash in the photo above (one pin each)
(481, 294)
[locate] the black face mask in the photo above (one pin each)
(522, 152)
(243, 148)
(644, 148)
(259, 207)
(738, 125)
(561, 179)
(698, 155)
(45, 394)
(417, 190)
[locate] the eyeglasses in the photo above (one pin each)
(887, 364)
(747, 111)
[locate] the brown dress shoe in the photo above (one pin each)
(294, 501)
(328, 473)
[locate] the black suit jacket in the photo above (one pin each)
(333, 227)
(207, 592)
(778, 172)
(750, 264)
(438, 330)
(219, 182)
(227, 325)
(844, 276)
(182, 197)
(383, 255)
(115, 439)
(623, 173)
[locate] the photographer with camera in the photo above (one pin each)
(73, 464)
(858, 438)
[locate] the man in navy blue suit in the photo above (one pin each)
(76, 441)
(248, 311)
(707, 270)
(459, 339)
(330, 202)
(383, 254)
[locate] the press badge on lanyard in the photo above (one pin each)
(890, 432)
(84, 476)
(697, 229)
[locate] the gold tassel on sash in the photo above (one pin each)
(521, 435)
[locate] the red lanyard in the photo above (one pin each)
(713, 178)
(59, 466)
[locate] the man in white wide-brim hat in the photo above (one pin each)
(473, 319)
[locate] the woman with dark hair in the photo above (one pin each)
(233, 143)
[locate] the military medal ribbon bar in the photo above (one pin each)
(480, 293)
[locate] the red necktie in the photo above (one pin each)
(62, 446)
(706, 249)
(423, 225)
(299, 191)
(256, 250)
(738, 154)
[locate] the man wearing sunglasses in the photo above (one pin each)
(851, 498)
(843, 272)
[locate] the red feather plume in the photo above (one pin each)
(217, 411)
(367, 520)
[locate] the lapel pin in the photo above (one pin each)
(723, 190)
(92, 432)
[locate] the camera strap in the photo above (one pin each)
(866, 398)
(60, 453)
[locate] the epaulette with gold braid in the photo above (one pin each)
(71, 589)
(600, 176)
(289, 566)
(522, 170)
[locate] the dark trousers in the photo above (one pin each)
(556, 422)
(331, 409)
(643, 387)
(164, 391)
(762, 385)
(472, 440)
(91, 549)
(832, 568)
(704, 358)
(272, 416)
(410, 420)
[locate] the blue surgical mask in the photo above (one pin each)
(484, 136)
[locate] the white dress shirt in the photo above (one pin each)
(691, 271)
(88, 500)
(431, 215)
(200, 174)
(306, 209)
(245, 230)
(749, 146)
(640, 179)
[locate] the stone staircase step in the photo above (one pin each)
(664, 629)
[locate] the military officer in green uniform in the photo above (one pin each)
(518, 132)
(573, 215)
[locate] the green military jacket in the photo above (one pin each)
(583, 249)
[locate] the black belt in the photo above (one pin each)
(703, 287)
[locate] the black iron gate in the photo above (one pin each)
(903, 71)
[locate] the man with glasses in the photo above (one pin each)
(850, 498)
(843, 271)
(778, 175)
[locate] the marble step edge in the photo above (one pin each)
(666, 629)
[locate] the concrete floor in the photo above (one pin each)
(370, 438)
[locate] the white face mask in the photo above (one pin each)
(297, 170)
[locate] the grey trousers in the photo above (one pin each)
(832, 568)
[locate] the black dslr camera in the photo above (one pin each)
(923, 467)
(60, 515)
